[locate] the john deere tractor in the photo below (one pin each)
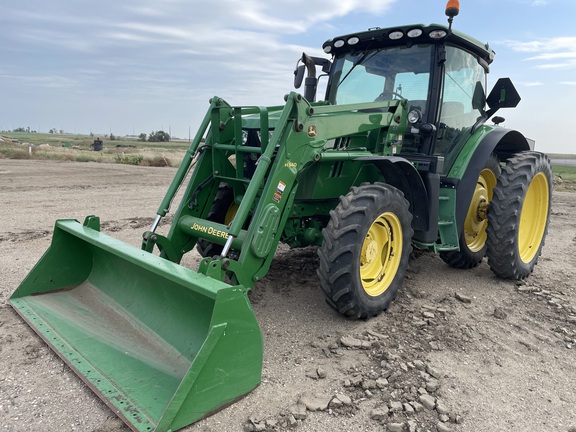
(403, 151)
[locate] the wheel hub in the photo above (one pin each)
(476, 219)
(370, 251)
(482, 212)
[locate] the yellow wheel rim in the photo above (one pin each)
(476, 220)
(230, 214)
(381, 254)
(533, 218)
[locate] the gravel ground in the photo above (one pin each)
(457, 350)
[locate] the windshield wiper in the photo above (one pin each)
(362, 59)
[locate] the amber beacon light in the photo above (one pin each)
(452, 9)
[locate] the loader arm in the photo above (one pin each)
(301, 131)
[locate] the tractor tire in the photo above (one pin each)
(519, 215)
(365, 252)
(222, 211)
(473, 238)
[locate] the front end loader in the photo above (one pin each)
(398, 155)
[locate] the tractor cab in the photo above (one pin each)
(440, 72)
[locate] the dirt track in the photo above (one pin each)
(505, 361)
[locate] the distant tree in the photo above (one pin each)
(159, 136)
(142, 137)
(61, 131)
(20, 129)
(112, 137)
(53, 131)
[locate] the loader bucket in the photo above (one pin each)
(161, 345)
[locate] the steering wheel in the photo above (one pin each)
(381, 96)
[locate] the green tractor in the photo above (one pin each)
(398, 155)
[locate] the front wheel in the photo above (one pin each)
(366, 248)
(519, 215)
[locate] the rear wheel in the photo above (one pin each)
(366, 249)
(222, 211)
(519, 215)
(473, 238)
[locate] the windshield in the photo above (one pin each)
(382, 74)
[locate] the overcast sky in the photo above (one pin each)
(136, 66)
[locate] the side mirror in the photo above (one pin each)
(503, 95)
(309, 64)
(299, 76)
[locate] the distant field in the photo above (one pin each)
(86, 140)
(78, 148)
(129, 150)
(566, 172)
(561, 156)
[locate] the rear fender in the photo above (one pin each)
(502, 142)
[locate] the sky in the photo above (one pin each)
(133, 66)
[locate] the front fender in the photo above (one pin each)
(401, 173)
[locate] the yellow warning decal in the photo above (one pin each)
(312, 131)
(279, 191)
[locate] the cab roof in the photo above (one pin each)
(406, 35)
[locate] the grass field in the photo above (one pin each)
(78, 148)
(565, 172)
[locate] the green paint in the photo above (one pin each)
(162, 345)
(165, 346)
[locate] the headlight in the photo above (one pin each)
(414, 116)
(437, 34)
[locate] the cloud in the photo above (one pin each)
(552, 53)
(161, 52)
(48, 81)
(168, 28)
(531, 83)
(535, 3)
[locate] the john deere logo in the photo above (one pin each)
(311, 131)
